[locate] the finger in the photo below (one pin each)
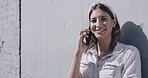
(84, 30)
(82, 36)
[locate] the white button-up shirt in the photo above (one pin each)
(123, 62)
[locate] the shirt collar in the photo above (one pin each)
(92, 51)
(118, 49)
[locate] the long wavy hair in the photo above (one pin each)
(116, 32)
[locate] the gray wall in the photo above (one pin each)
(9, 39)
(50, 29)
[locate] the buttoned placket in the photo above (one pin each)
(101, 61)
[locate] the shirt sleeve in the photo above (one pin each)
(132, 61)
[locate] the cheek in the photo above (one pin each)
(92, 27)
(105, 23)
(109, 29)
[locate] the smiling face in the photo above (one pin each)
(101, 24)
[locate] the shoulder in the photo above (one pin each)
(131, 61)
(126, 48)
(131, 49)
(129, 52)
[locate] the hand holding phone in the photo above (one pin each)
(88, 38)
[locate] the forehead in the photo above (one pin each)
(98, 13)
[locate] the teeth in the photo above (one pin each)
(101, 30)
(97, 28)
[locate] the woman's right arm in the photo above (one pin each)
(74, 68)
(75, 65)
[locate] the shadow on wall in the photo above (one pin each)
(133, 34)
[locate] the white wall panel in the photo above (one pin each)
(50, 29)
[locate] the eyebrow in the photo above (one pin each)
(99, 17)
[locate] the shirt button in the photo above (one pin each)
(90, 65)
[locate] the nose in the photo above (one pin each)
(98, 23)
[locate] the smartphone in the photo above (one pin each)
(87, 39)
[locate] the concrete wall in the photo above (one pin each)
(9, 39)
(50, 29)
(49, 33)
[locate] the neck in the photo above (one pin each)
(104, 47)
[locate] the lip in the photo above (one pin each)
(100, 30)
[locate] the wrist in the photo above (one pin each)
(78, 53)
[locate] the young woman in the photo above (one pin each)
(104, 56)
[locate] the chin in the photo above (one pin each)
(98, 36)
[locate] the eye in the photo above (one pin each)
(103, 19)
(93, 20)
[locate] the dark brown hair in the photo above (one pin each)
(116, 32)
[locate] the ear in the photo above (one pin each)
(114, 22)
